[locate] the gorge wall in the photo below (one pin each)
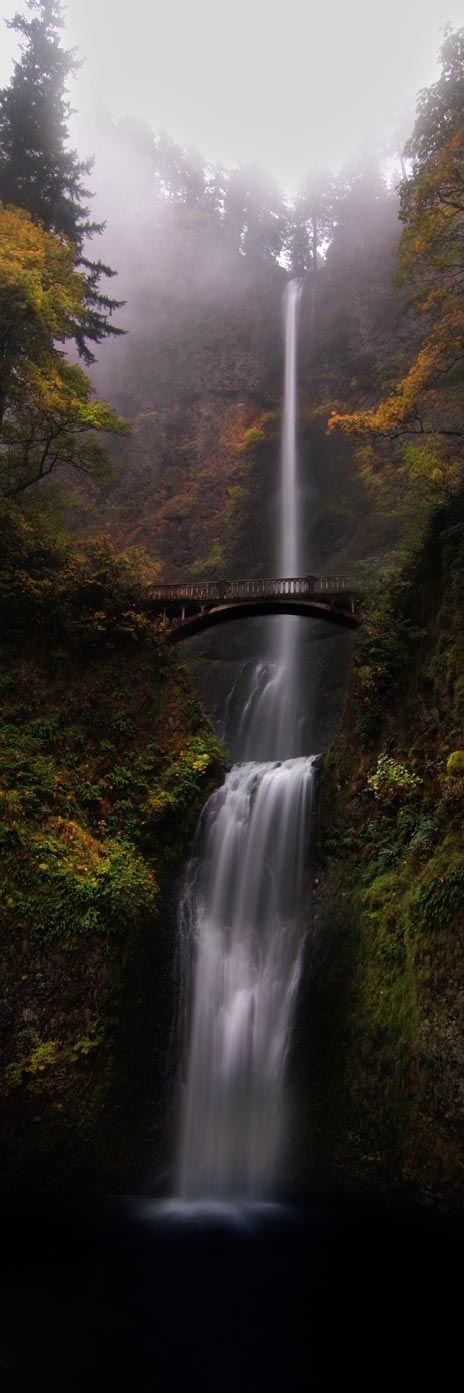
(383, 1019)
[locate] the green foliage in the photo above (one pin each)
(96, 716)
(86, 597)
(28, 1069)
(424, 836)
(182, 779)
(42, 1057)
(381, 657)
(85, 1045)
(437, 899)
(82, 888)
(72, 804)
(14, 1075)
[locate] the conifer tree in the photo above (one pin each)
(38, 170)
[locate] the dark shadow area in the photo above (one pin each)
(130, 1294)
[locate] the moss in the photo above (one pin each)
(455, 764)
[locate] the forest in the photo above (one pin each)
(142, 363)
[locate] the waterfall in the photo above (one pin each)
(242, 912)
(272, 726)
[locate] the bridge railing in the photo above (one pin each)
(210, 590)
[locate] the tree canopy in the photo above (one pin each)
(38, 170)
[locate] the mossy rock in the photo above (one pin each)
(455, 764)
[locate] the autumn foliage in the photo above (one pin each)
(48, 414)
(428, 399)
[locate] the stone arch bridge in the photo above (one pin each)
(188, 608)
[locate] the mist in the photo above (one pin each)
(287, 88)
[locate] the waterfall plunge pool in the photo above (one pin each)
(122, 1294)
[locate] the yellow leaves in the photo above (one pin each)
(62, 393)
(39, 286)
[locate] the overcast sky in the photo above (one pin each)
(288, 84)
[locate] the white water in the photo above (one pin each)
(242, 914)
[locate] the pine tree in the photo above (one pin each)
(38, 170)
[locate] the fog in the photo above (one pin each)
(230, 143)
(287, 86)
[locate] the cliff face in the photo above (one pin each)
(199, 376)
(383, 1018)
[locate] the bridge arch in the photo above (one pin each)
(215, 615)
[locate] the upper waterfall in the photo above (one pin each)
(289, 528)
(272, 725)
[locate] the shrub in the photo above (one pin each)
(392, 780)
(253, 436)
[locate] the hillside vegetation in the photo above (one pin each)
(106, 763)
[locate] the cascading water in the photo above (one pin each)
(241, 914)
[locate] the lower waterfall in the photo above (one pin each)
(241, 917)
